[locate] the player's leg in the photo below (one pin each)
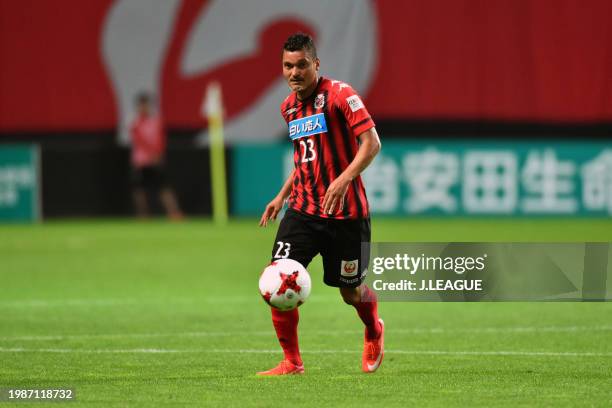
(170, 203)
(294, 240)
(364, 300)
(285, 324)
(345, 267)
(139, 195)
(166, 194)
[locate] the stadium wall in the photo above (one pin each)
(426, 175)
(455, 177)
(94, 180)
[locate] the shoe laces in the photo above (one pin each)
(370, 350)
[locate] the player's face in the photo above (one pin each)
(144, 108)
(300, 71)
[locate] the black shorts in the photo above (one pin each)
(149, 177)
(301, 237)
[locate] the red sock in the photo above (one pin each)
(368, 312)
(285, 324)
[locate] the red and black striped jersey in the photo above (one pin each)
(324, 130)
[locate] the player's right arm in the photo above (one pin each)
(274, 206)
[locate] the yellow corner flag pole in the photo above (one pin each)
(214, 112)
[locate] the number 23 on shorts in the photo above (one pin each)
(283, 250)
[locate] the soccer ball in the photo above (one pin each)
(285, 284)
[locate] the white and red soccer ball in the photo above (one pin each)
(284, 284)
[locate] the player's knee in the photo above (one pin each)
(350, 295)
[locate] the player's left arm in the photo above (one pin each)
(368, 149)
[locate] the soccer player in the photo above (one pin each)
(334, 140)
(148, 151)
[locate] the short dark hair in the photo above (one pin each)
(143, 97)
(300, 41)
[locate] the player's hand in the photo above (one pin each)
(271, 211)
(334, 196)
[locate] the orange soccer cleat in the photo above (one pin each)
(373, 351)
(285, 367)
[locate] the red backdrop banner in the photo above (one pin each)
(533, 60)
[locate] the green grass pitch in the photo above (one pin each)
(167, 314)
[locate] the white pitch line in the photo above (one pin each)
(528, 329)
(258, 351)
(128, 336)
(71, 302)
(415, 331)
(147, 302)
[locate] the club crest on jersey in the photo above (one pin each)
(349, 268)
(319, 101)
(308, 126)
